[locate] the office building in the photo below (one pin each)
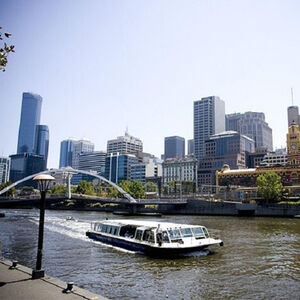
(25, 164)
(30, 117)
(80, 147)
(92, 161)
(42, 142)
(289, 171)
(4, 169)
(66, 151)
(174, 147)
(70, 150)
(209, 119)
(230, 148)
(253, 125)
(118, 166)
(145, 170)
(191, 147)
(124, 144)
(273, 159)
(180, 169)
(293, 115)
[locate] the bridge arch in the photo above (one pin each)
(70, 170)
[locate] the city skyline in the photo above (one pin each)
(151, 70)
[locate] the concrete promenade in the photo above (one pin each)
(17, 284)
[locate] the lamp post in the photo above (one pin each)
(43, 185)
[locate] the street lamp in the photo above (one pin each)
(43, 185)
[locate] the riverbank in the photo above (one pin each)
(16, 283)
(164, 206)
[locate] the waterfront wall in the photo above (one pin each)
(188, 207)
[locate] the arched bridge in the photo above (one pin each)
(69, 171)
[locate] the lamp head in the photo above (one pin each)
(43, 181)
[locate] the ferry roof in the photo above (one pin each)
(151, 224)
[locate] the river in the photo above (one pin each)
(260, 258)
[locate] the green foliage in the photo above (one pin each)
(112, 192)
(26, 190)
(137, 190)
(5, 50)
(85, 187)
(134, 188)
(269, 186)
(290, 202)
(59, 189)
(150, 186)
(9, 193)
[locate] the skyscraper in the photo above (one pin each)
(253, 125)
(174, 147)
(71, 149)
(30, 117)
(191, 147)
(209, 119)
(42, 142)
(66, 150)
(124, 144)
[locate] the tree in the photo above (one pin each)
(9, 193)
(269, 186)
(59, 189)
(5, 50)
(134, 188)
(85, 187)
(150, 186)
(112, 192)
(137, 190)
(26, 190)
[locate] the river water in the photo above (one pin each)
(260, 258)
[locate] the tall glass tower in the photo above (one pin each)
(42, 142)
(30, 117)
(209, 119)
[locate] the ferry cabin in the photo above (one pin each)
(143, 236)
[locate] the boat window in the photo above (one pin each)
(128, 231)
(104, 228)
(151, 237)
(139, 234)
(165, 237)
(146, 235)
(198, 232)
(205, 232)
(115, 231)
(174, 234)
(186, 232)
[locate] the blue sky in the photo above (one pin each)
(101, 66)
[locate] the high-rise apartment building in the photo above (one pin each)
(30, 117)
(253, 125)
(42, 142)
(209, 119)
(4, 169)
(124, 144)
(71, 149)
(191, 147)
(174, 147)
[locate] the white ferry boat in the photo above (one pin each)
(152, 238)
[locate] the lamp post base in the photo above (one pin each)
(37, 274)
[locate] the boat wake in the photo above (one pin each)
(74, 229)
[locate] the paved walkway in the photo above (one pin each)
(17, 284)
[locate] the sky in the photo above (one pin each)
(104, 65)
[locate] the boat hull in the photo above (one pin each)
(142, 248)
